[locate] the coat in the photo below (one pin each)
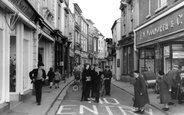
(51, 76)
(165, 95)
(140, 87)
(33, 74)
(173, 76)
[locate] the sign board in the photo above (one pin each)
(166, 26)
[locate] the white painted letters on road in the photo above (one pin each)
(95, 111)
(108, 101)
(61, 108)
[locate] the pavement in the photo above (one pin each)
(176, 109)
(49, 97)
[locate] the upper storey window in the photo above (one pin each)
(161, 5)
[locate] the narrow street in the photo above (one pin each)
(119, 103)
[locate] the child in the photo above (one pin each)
(51, 75)
(57, 78)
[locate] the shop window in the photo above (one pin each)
(167, 59)
(12, 63)
(146, 60)
(178, 55)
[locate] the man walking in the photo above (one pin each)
(107, 80)
(173, 76)
(37, 76)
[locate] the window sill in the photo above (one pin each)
(161, 8)
(148, 16)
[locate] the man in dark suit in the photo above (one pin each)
(37, 76)
(173, 76)
(107, 80)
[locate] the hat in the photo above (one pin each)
(107, 66)
(136, 71)
(161, 73)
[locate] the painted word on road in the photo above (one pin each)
(105, 103)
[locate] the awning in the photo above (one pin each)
(47, 36)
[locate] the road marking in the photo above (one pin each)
(109, 110)
(116, 102)
(61, 108)
(95, 111)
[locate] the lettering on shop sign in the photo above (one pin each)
(105, 103)
(162, 27)
(166, 26)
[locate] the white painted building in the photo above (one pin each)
(116, 36)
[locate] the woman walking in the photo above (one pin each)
(140, 93)
(165, 95)
(51, 75)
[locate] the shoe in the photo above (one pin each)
(165, 109)
(141, 112)
(138, 111)
(170, 103)
(180, 102)
(96, 101)
(39, 103)
(50, 87)
(86, 100)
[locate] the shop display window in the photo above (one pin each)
(167, 59)
(12, 63)
(178, 55)
(146, 60)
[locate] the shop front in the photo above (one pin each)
(127, 50)
(160, 41)
(18, 48)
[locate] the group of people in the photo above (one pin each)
(38, 76)
(170, 88)
(93, 78)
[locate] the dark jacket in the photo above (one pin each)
(93, 75)
(140, 87)
(51, 75)
(85, 74)
(108, 74)
(173, 76)
(165, 95)
(33, 74)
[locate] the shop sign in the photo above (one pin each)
(178, 54)
(168, 25)
(46, 30)
(25, 8)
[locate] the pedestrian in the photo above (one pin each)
(173, 76)
(37, 76)
(97, 82)
(85, 80)
(140, 93)
(57, 78)
(107, 80)
(93, 79)
(51, 75)
(165, 96)
(77, 72)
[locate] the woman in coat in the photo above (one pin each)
(165, 95)
(140, 93)
(51, 75)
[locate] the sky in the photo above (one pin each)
(102, 12)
